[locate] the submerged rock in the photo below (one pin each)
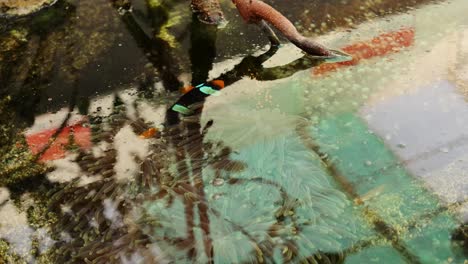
(11, 8)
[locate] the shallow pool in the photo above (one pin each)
(140, 135)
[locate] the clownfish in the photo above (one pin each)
(196, 94)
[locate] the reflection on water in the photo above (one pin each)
(279, 159)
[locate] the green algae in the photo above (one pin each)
(6, 256)
(39, 214)
(168, 20)
(175, 18)
(18, 163)
(155, 3)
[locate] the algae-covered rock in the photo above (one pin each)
(17, 163)
(10, 8)
(45, 55)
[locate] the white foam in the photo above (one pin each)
(129, 146)
(15, 229)
(53, 120)
(66, 170)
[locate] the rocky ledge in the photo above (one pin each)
(12, 8)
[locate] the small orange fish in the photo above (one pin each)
(149, 133)
(218, 83)
(186, 89)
